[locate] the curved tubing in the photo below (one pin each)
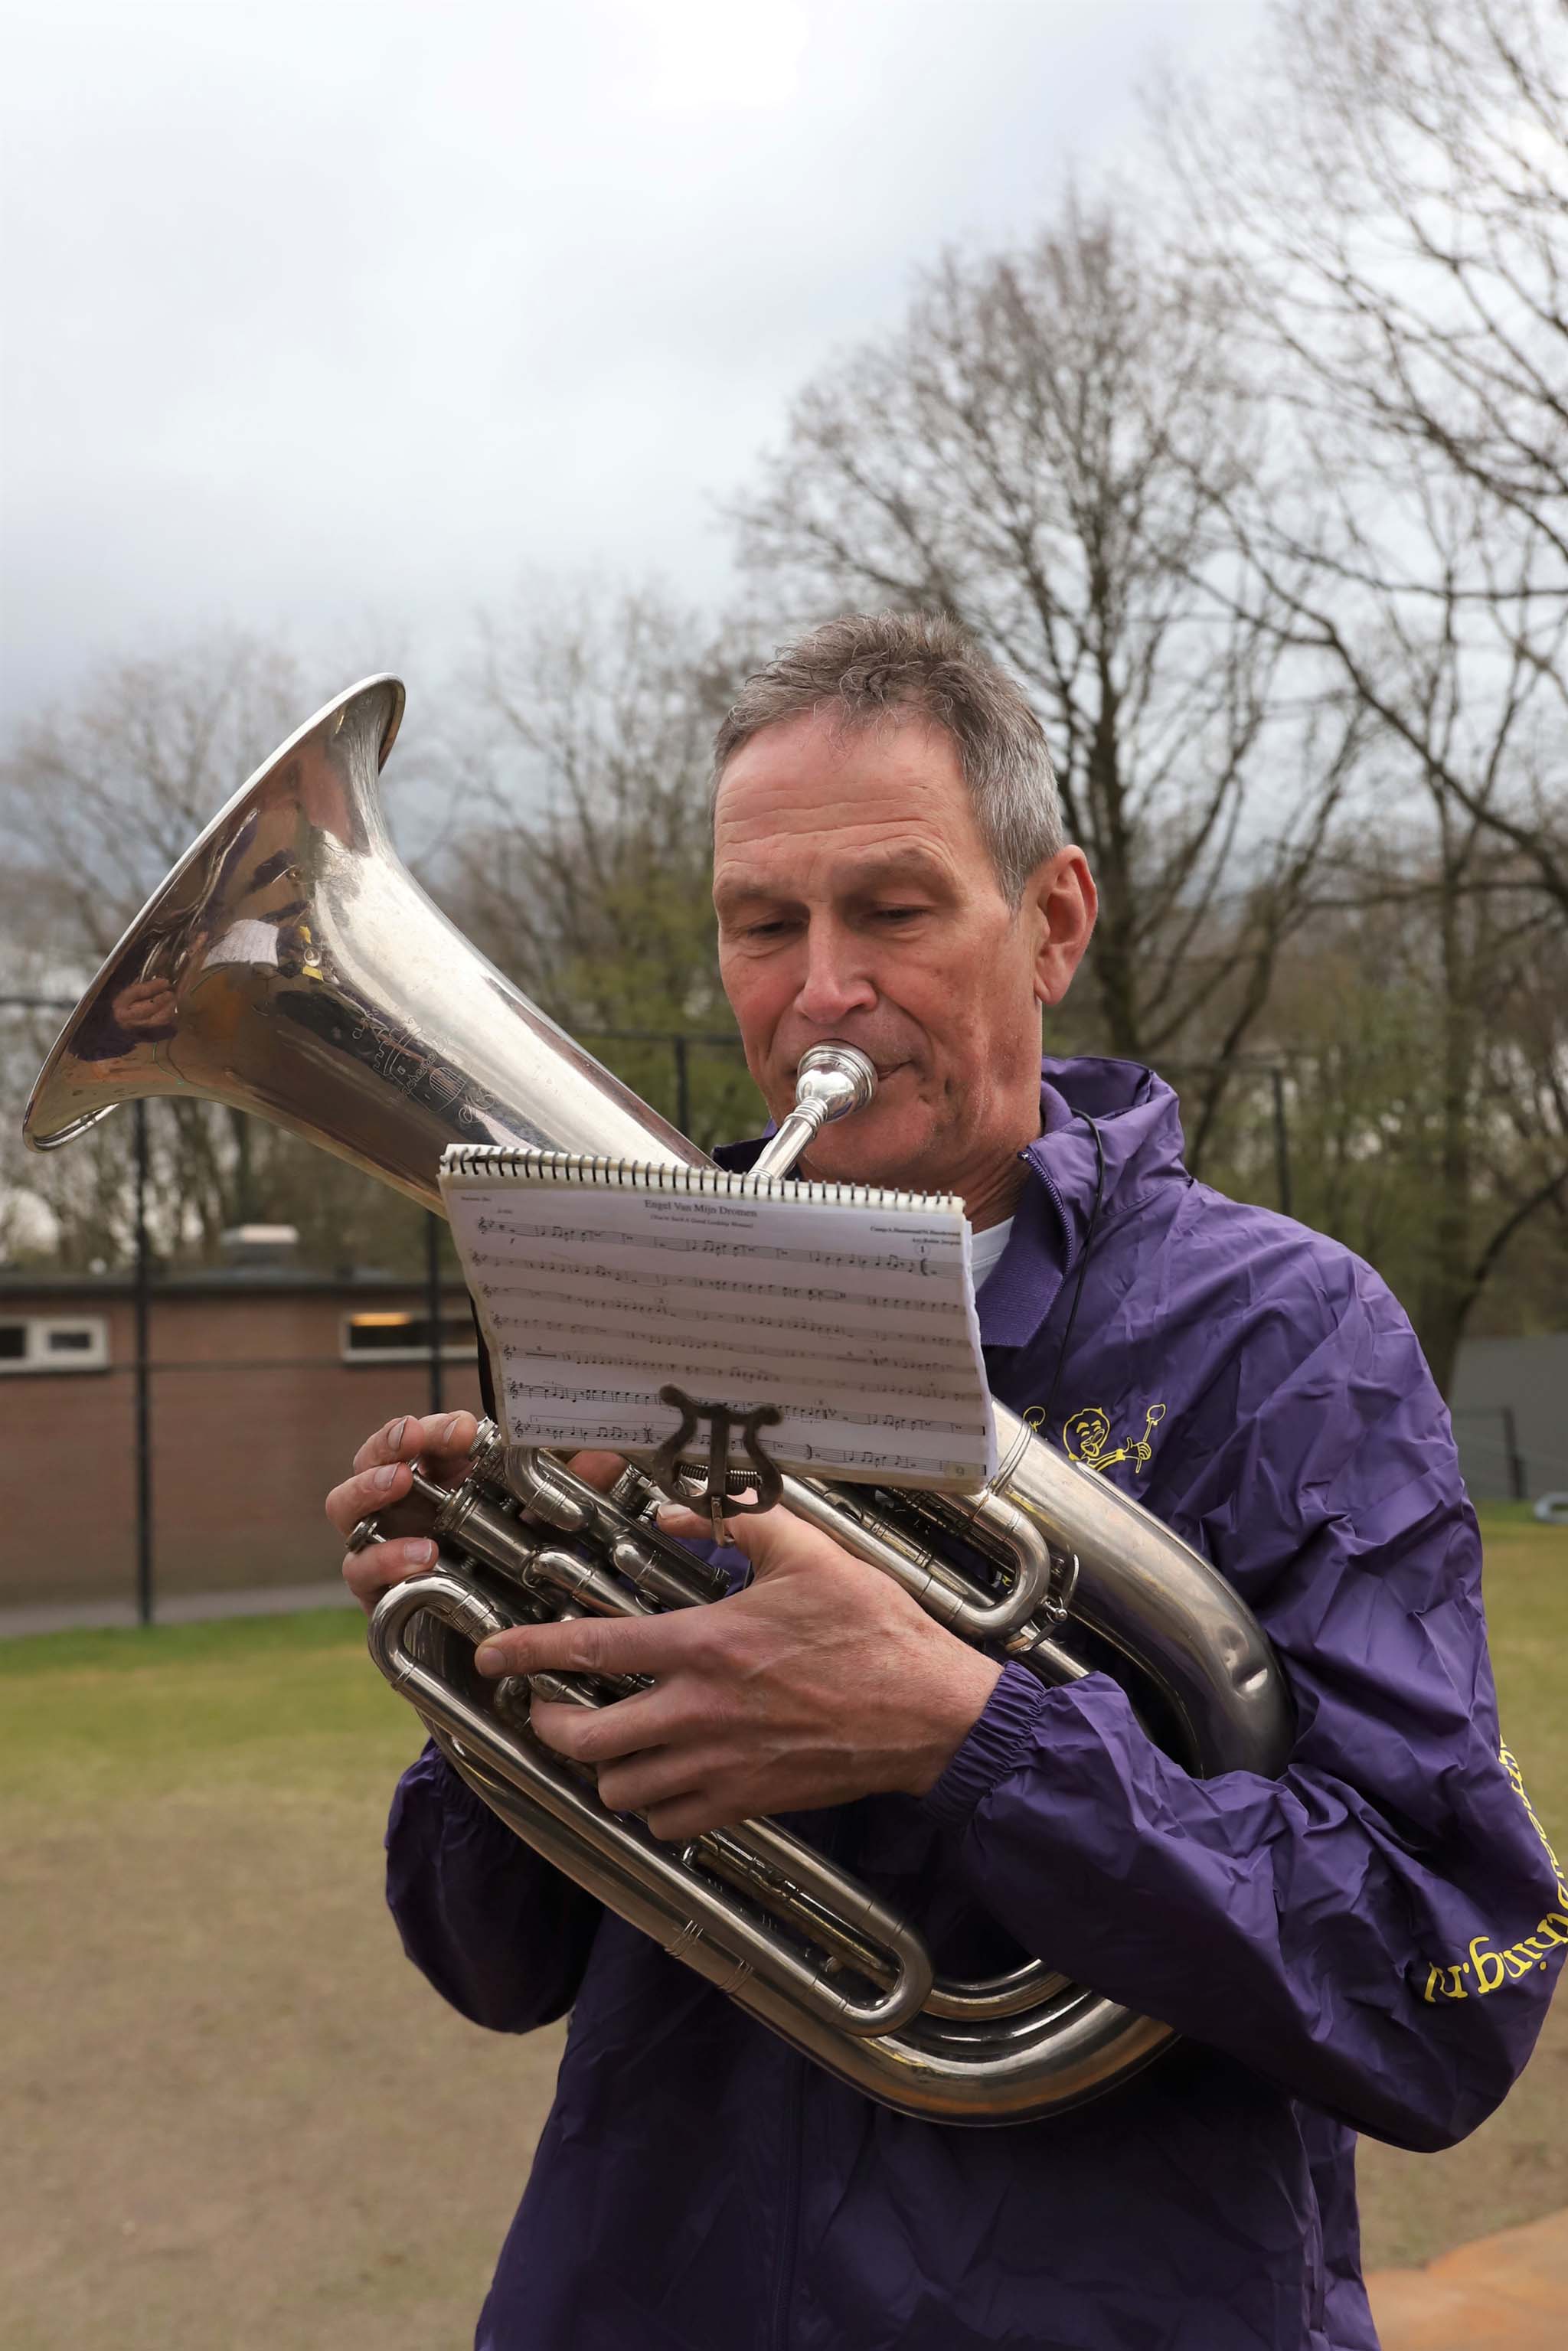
(633, 1861)
(1161, 1604)
(1073, 2051)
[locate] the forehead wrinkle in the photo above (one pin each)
(802, 813)
(839, 874)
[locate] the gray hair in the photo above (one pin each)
(871, 666)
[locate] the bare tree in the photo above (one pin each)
(1388, 206)
(98, 801)
(580, 857)
(1428, 1038)
(1047, 450)
(1386, 203)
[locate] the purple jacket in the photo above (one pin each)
(1367, 1944)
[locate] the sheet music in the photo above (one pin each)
(851, 1311)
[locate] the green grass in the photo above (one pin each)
(1525, 1584)
(159, 1645)
(1494, 1515)
(291, 1702)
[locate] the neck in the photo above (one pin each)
(992, 1198)
(989, 1195)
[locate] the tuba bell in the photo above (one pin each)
(315, 984)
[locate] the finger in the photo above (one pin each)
(400, 1440)
(447, 1436)
(373, 1490)
(369, 1572)
(597, 1469)
(677, 1821)
(686, 1526)
(764, 1537)
(643, 1782)
(595, 1644)
(600, 1734)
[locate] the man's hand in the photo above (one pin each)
(144, 1004)
(821, 1682)
(383, 1473)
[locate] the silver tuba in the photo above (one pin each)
(315, 982)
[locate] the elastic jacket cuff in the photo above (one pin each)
(991, 1748)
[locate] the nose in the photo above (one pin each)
(834, 982)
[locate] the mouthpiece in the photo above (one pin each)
(830, 1081)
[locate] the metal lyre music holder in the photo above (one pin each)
(721, 1500)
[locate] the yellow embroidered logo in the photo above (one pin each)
(1087, 1438)
(1489, 1966)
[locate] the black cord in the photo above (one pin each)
(1044, 1423)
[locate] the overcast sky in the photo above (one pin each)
(336, 320)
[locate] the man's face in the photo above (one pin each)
(856, 900)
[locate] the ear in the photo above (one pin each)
(1062, 901)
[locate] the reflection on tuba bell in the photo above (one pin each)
(314, 983)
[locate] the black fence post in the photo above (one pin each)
(143, 1321)
(432, 1301)
(683, 1085)
(1518, 1483)
(1281, 1141)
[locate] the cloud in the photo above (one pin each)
(336, 319)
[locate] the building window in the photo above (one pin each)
(405, 1339)
(54, 1343)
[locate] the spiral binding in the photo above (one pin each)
(510, 1166)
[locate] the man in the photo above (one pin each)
(1365, 1944)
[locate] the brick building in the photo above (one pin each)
(264, 1379)
(263, 1382)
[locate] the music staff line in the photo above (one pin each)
(871, 1357)
(874, 1459)
(947, 1254)
(881, 1298)
(745, 1385)
(666, 1314)
(637, 1400)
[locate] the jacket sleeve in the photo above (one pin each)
(1378, 1930)
(499, 1931)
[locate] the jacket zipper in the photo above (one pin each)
(789, 2222)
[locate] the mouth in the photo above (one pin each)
(884, 1070)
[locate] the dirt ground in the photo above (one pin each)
(292, 2142)
(1514, 2168)
(238, 2120)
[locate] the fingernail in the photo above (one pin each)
(419, 1554)
(489, 1658)
(395, 1434)
(384, 1477)
(448, 1433)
